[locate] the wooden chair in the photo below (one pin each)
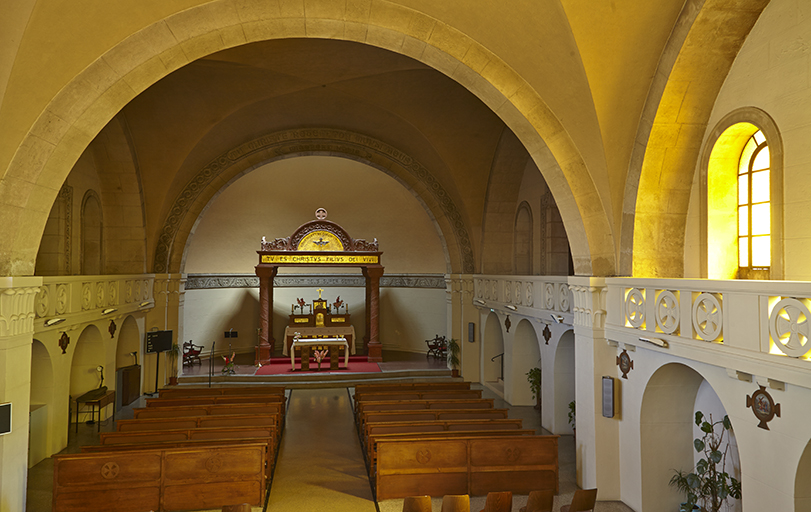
(498, 502)
(191, 353)
(437, 347)
(417, 504)
(540, 501)
(583, 500)
(456, 503)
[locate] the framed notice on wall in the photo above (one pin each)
(608, 397)
(5, 418)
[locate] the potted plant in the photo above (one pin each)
(573, 418)
(534, 379)
(172, 355)
(708, 487)
(453, 356)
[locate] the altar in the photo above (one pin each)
(332, 344)
(319, 319)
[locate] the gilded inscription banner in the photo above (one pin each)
(337, 259)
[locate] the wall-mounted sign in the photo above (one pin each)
(625, 363)
(763, 406)
(5, 419)
(608, 397)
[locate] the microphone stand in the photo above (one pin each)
(211, 363)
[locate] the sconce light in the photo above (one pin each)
(511, 307)
(557, 318)
(135, 355)
(53, 321)
(108, 311)
(655, 341)
(145, 304)
(480, 302)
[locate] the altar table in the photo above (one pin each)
(306, 344)
(347, 332)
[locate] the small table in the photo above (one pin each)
(97, 399)
(306, 344)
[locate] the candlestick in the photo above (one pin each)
(346, 310)
(292, 309)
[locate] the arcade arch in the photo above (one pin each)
(87, 357)
(524, 355)
(802, 491)
(129, 341)
(564, 383)
(493, 352)
(42, 403)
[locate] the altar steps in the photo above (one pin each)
(327, 380)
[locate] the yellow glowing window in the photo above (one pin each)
(754, 210)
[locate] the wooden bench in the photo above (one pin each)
(214, 400)
(183, 391)
(192, 434)
(371, 446)
(192, 422)
(472, 465)
(412, 386)
(430, 415)
(187, 478)
(416, 405)
(395, 427)
(434, 394)
(208, 410)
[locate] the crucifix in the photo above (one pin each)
(319, 290)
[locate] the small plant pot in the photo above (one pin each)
(454, 373)
(173, 381)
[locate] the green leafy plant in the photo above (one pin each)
(453, 353)
(534, 379)
(572, 414)
(708, 486)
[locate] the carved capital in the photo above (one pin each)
(589, 301)
(17, 301)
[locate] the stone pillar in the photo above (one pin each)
(266, 341)
(461, 311)
(17, 297)
(374, 349)
(597, 446)
(169, 294)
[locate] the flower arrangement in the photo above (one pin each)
(229, 368)
(319, 355)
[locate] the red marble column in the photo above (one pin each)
(374, 348)
(266, 340)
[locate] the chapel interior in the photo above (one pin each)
(613, 194)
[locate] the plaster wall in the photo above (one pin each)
(768, 458)
(771, 72)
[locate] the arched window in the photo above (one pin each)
(741, 172)
(754, 209)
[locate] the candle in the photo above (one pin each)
(292, 309)
(346, 308)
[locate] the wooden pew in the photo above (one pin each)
(434, 394)
(430, 415)
(197, 422)
(413, 386)
(371, 446)
(415, 405)
(214, 400)
(208, 410)
(192, 434)
(395, 427)
(187, 478)
(472, 465)
(183, 391)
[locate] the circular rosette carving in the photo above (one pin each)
(61, 299)
(507, 292)
(512, 454)
(87, 296)
(214, 464)
(43, 301)
(129, 292)
(110, 470)
(529, 294)
(112, 293)
(788, 326)
(100, 294)
(635, 308)
(137, 290)
(423, 456)
(144, 290)
(517, 292)
(707, 317)
(667, 312)
(563, 293)
(549, 294)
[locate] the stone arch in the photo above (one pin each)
(92, 229)
(492, 346)
(525, 354)
(200, 191)
(720, 155)
(673, 122)
(87, 356)
(43, 404)
(564, 383)
(129, 341)
(802, 491)
(77, 113)
(522, 246)
(667, 433)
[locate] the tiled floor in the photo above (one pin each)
(314, 419)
